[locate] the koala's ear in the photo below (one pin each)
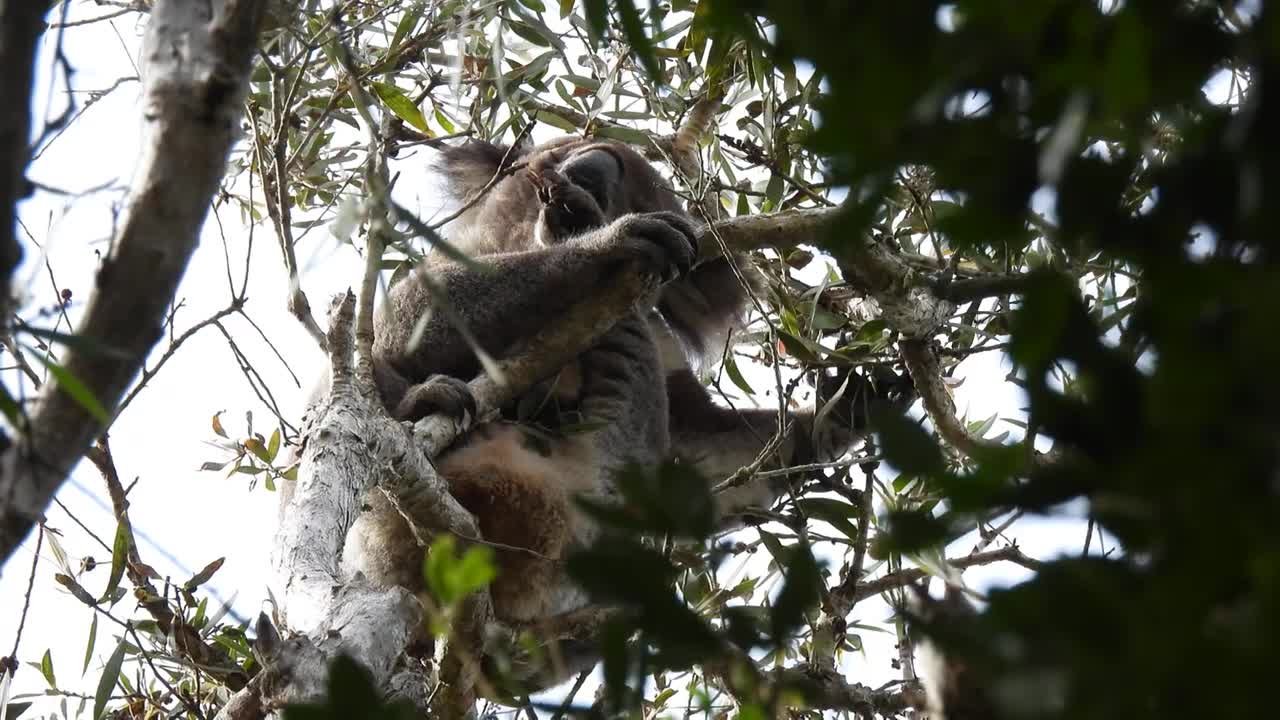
(468, 167)
(599, 172)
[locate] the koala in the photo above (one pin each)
(573, 219)
(573, 216)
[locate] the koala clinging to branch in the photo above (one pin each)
(578, 214)
(519, 479)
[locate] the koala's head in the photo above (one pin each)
(550, 192)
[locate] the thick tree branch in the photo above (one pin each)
(21, 24)
(964, 290)
(926, 372)
(783, 231)
(921, 359)
(198, 57)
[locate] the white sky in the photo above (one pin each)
(185, 518)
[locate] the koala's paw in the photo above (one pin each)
(567, 210)
(438, 395)
(666, 243)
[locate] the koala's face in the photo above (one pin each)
(566, 187)
(616, 175)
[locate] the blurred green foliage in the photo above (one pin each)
(1170, 429)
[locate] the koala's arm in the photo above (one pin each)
(720, 440)
(510, 297)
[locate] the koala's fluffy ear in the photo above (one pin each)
(470, 166)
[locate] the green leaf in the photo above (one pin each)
(119, 556)
(536, 32)
(566, 7)
(46, 668)
(273, 445)
(198, 620)
(597, 16)
(71, 385)
(75, 342)
(799, 595)
(628, 135)
(59, 554)
(528, 32)
(259, 450)
(804, 350)
(735, 375)
(476, 570)
(9, 408)
(75, 589)
(444, 121)
(400, 104)
(911, 531)
(585, 83)
(907, 445)
(633, 29)
(203, 576)
(110, 673)
(88, 648)
(408, 21)
(837, 513)
(555, 120)
(451, 578)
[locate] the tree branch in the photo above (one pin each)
(21, 24)
(908, 576)
(198, 57)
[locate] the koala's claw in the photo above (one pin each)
(439, 394)
(667, 242)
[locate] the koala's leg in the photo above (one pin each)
(720, 440)
(621, 398)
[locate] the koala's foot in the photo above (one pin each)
(666, 243)
(439, 394)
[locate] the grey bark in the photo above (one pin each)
(21, 24)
